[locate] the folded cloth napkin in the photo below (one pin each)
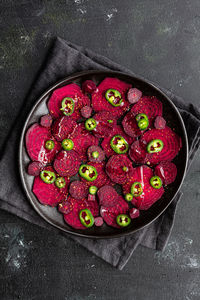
(65, 59)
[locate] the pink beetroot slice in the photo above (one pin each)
(89, 86)
(72, 218)
(65, 207)
(102, 178)
(49, 194)
(105, 123)
(62, 127)
(137, 152)
(167, 171)
(134, 95)
(99, 101)
(78, 190)
(107, 196)
(150, 106)
(119, 168)
(171, 141)
(67, 163)
(130, 125)
(82, 140)
(109, 214)
(159, 122)
(134, 213)
(34, 168)
(117, 130)
(98, 221)
(72, 91)
(86, 111)
(46, 121)
(36, 137)
(150, 195)
(95, 154)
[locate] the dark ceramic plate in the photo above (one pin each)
(174, 120)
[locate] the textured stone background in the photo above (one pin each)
(157, 39)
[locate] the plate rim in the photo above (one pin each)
(74, 77)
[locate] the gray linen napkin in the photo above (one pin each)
(65, 59)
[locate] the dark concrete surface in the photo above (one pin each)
(157, 39)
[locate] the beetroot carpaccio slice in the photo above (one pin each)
(46, 121)
(72, 218)
(138, 153)
(150, 106)
(167, 171)
(86, 111)
(78, 190)
(34, 168)
(36, 137)
(49, 194)
(107, 195)
(65, 207)
(119, 168)
(159, 122)
(102, 178)
(94, 149)
(105, 124)
(98, 221)
(67, 163)
(130, 125)
(110, 213)
(150, 195)
(99, 101)
(72, 91)
(172, 144)
(82, 140)
(62, 127)
(117, 130)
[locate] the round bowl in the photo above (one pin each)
(174, 120)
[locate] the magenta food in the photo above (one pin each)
(102, 177)
(105, 124)
(150, 106)
(107, 195)
(72, 91)
(86, 111)
(46, 121)
(62, 127)
(159, 122)
(36, 137)
(117, 130)
(34, 168)
(88, 86)
(78, 190)
(49, 194)
(99, 101)
(95, 154)
(119, 168)
(110, 213)
(149, 194)
(67, 163)
(134, 213)
(82, 140)
(167, 171)
(96, 160)
(134, 95)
